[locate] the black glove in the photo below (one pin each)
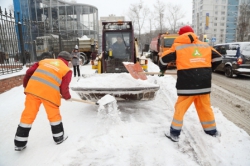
(161, 74)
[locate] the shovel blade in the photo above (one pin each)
(107, 99)
(135, 71)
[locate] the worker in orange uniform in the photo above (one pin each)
(195, 61)
(45, 83)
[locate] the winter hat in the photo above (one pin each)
(65, 55)
(185, 29)
(76, 47)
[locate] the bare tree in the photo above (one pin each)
(243, 21)
(150, 34)
(159, 10)
(174, 14)
(137, 14)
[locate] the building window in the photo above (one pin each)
(221, 24)
(215, 24)
(222, 13)
(215, 18)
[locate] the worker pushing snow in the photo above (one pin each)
(45, 82)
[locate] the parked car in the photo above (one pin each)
(235, 58)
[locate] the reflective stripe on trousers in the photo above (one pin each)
(203, 108)
(57, 130)
(22, 134)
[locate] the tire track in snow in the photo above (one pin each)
(203, 153)
(227, 102)
(232, 97)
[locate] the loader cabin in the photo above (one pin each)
(117, 46)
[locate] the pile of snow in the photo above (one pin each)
(21, 72)
(111, 80)
(84, 37)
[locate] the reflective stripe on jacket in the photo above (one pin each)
(195, 61)
(46, 80)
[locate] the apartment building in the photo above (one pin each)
(216, 20)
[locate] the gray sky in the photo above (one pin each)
(121, 7)
(5, 4)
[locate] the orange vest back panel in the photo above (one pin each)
(46, 80)
(193, 56)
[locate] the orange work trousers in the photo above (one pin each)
(203, 107)
(32, 104)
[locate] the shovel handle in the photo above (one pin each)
(148, 73)
(84, 101)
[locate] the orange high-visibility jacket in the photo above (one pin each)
(195, 61)
(46, 80)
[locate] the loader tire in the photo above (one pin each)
(84, 58)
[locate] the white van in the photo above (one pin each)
(235, 58)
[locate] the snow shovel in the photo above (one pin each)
(84, 101)
(107, 99)
(137, 72)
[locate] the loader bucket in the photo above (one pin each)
(120, 85)
(135, 93)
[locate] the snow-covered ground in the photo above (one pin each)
(131, 137)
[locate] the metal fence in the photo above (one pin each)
(20, 44)
(16, 45)
(9, 59)
(17, 48)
